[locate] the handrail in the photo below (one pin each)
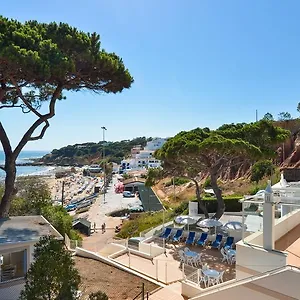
(142, 293)
(139, 294)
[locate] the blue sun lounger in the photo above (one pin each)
(217, 242)
(203, 239)
(190, 239)
(177, 235)
(229, 242)
(166, 233)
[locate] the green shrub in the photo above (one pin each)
(253, 190)
(207, 182)
(75, 235)
(177, 181)
(252, 207)
(98, 296)
(261, 169)
(232, 204)
(183, 206)
(143, 222)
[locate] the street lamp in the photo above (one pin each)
(104, 177)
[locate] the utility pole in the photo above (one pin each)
(174, 188)
(62, 193)
(104, 170)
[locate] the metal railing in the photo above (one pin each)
(142, 295)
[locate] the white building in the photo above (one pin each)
(142, 159)
(155, 144)
(18, 235)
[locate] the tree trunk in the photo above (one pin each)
(199, 199)
(9, 191)
(218, 193)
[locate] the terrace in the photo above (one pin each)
(160, 259)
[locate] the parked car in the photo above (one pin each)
(127, 194)
(71, 207)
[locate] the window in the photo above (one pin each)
(14, 265)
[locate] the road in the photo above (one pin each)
(98, 214)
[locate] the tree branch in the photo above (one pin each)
(30, 107)
(44, 118)
(10, 106)
(41, 135)
(2, 168)
(5, 141)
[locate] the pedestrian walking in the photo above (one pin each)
(104, 225)
(103, 228)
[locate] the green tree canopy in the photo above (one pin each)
(210, 152)
(34, 198)
(35, 195)
(52, 275)
(284, 116)
(268, 117)
(39, 61)
(260, 169)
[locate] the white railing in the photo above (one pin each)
(191, 274)
(193, 277)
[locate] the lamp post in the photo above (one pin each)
(62, 193)
(104, 177)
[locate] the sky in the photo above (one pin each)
(196, 63)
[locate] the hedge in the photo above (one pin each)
(231, 205)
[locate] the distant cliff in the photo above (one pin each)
(288, 153)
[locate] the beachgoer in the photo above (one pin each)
(102, 227)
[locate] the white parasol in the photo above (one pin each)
(210, 223)
(185, 220)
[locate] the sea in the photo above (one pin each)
(27, 156)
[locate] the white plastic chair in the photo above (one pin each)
(211, 281)
(182, 256)
(232, 259)
(224, 256)
(190, 260)
(219, 279)
(197, 259)
(203, 279)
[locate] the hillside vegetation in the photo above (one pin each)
(87, 153)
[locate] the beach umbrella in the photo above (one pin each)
(210, 223)
(185, 220)
(234, 225)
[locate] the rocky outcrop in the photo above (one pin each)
(293, 159)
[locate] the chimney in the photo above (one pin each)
(268, 219)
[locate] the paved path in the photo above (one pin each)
(97, 214)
